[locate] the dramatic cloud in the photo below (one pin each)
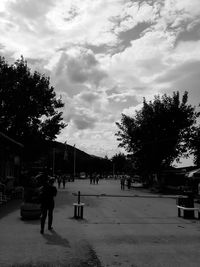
(104, 56)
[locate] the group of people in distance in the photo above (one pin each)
(61, 179)
(124, 180)
(94, 178)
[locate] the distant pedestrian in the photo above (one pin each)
(122, 181)
(129, 183)
(97, 179)
(59, 181)
(90, 178)
(48, 192)
(93, 178)
(63, 181)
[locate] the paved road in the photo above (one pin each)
(116, 231)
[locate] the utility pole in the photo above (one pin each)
(74, 160)
(53, 169)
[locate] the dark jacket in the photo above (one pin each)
(48, 192)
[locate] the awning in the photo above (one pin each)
(10, 139)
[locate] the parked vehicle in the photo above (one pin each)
(82, 175)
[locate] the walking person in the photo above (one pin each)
(122, 181)
(97, 178)
(90, 178)
(63, 181)
(93, 178)
(48, 193)
(129, 183)
(59, 181)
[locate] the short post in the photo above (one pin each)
(179, 212)
(79, 196)
(189, 214)
(78, 208)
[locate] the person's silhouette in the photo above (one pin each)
(48, 193)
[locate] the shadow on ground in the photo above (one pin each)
(53, 238)
(9, 207)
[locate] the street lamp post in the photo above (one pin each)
(53, 169)
(113, 170)
(74, 160)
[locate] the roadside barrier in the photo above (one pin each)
(78, 208)
(129, 196)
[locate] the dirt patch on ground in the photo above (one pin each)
(83, 256)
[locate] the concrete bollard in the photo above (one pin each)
(78, 208)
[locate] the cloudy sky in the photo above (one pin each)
(104, 56)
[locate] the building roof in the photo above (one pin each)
(10, 139)
(194, 173)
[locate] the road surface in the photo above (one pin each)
(122, 231)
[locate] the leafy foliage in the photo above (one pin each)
(120, 162)
(195, 146)
(28, 104)
(159, 133)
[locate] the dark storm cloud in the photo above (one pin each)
(84, 68)
(98, 49)
(132, 34)
(83, 122)
(35, 61)
(112, 90)
(77, 71)
(80, 74)
(2, 46)
(116, 90)
(118, 102)
(89, 97)
(190, 34)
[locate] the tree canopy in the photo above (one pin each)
(29, 108)
(120, 162)
(195, 146)
(159, 133)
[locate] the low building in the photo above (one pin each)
(10, 159)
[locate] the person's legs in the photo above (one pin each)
(43, 219)
(50, 218)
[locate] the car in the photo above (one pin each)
(82, 175)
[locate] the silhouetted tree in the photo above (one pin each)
(159, 133)
(120, 163)
(28, 103)
(195, 146)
